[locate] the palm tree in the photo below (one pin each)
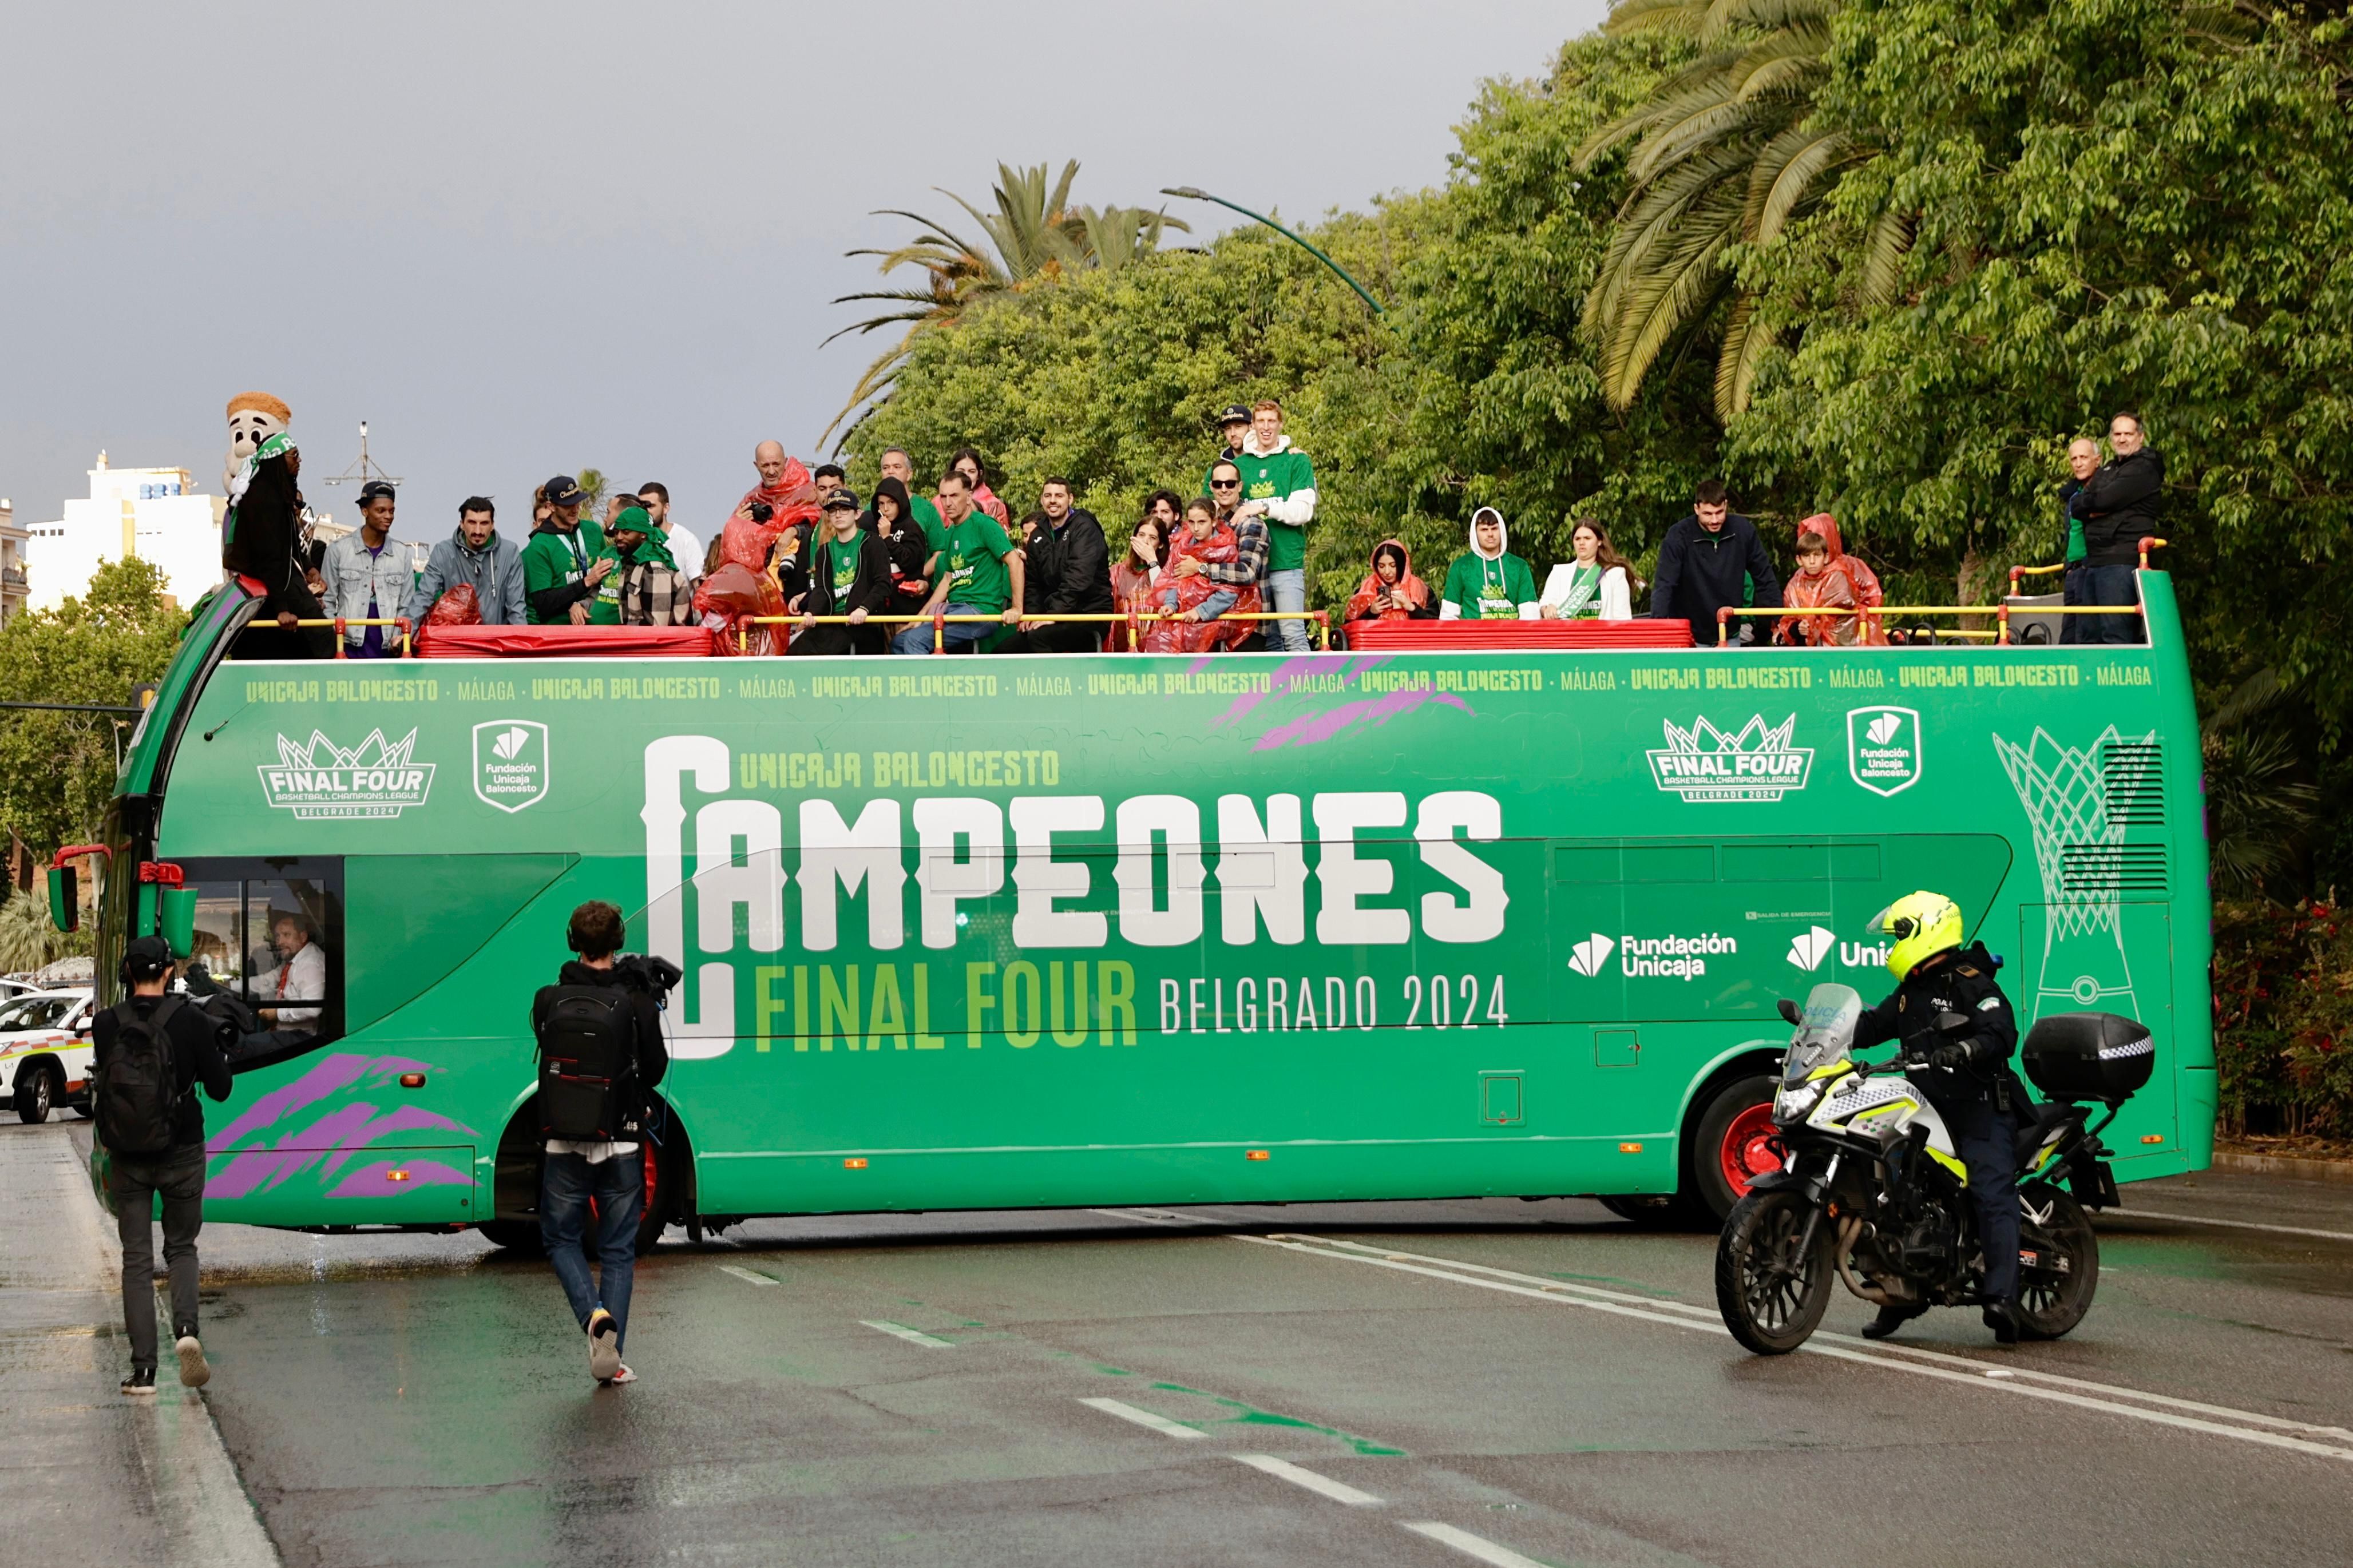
(1034, 235)
(2260, 808)
(1727, 153)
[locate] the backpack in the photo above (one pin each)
(138, 1089)
(588, 1064)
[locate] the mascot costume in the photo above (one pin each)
(264, 542)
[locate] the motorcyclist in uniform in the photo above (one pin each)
(1964, 1070)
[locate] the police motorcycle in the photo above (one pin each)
(1873, 1193)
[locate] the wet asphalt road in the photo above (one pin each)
(1444, 1379)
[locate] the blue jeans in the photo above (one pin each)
(566, 1182)
(2111, 585)
(1287, 591)
(917, 638)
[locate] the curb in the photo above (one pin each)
(2282, 1165)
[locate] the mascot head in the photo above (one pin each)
(253, 419)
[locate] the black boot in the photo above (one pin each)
(1891, 1318)
(2002, 1317)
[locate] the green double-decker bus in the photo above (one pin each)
(1092, 931)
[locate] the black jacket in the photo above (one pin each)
(1962, 984)
(910, 553)
(1701, 573)
(2120, 505)
(869, 591)
(653, 1056)
(1068, 569)
(194, 1036)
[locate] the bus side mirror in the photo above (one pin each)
(178, 920)
(64, 898)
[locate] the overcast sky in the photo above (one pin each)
(519, 239)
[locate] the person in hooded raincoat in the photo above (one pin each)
(1829, 578)
(1391, 591)
(1490, 583)
(1192, 595)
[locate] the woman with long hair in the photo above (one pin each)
(1596, 584)
(1391, 591)
(968, 461)
(1131, 582)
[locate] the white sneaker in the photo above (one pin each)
(603, 1346)
(195, 1370)
(624, 1375)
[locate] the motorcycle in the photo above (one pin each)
(1871, 1191)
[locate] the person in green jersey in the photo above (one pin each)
(1278, 485)
(1490, 583)
(2083, 462)
(559, 569)
(641, 585)
(980, 574)
(849, 574)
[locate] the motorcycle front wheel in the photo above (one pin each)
(2058, 1264)
(1772, 1284)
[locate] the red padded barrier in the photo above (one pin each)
(563, 642)
(1401, 636)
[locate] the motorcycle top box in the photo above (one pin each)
(2089, 1055)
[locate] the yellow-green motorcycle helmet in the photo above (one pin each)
(1920, 925)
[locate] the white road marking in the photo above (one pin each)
(1922, 1364)
(912, 1336)
(1471, 1545)
(746, 1274)
(2237, 1224)
(1160, 1424)
(1153, 1217)
(1323, 1486)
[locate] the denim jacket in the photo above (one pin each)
(354, 577)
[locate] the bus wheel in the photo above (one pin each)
(1642, 1208)
(667, 1163)
(517, 1236)
(36, 1091)
(1729, 1146)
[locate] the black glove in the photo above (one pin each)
(1951, 1056)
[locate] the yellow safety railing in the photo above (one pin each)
(939, 623)
(408, 637)
(2001, 612)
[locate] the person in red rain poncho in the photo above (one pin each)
(1193, 595)
(789, 497)
(1391, 591)
(1829, 578)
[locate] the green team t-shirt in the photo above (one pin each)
(972, 559)
(840, 561)
(550, 559)
(1276, 476)
(1490, 590)
(605, 603)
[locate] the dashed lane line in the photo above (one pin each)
(1322, 1486)
(912, 1336)
(2236, 1223)
(1160, 1424)
(1708, 1315)
(1471, 1545)
(746, 1274)
(1649, 1311)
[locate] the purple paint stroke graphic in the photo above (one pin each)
(339, 1071)
(406, 1119)
(1371, 713)
(1242, 707)
(371, 1180)
(253, 1169)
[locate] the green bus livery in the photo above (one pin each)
(1090, 930)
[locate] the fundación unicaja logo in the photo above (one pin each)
(511, 763)
(1588, 956)
(1883, 748)
(1808, 951)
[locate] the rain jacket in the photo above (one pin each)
(1414, 592)
(1844, 582)
(495, 572)
(1497, 587)
(1185, 594)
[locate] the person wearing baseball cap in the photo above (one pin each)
(561, 564)
(154, 1129)
(365, 577)
(848, 574)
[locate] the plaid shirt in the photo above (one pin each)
(1249, 565)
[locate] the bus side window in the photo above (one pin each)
(274, 944)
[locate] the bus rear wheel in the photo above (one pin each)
(1731, 1144)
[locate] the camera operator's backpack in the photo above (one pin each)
(588, 1064)
(137, 1092)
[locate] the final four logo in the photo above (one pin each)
(320, 779)
(1755, 762)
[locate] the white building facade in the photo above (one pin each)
(13, 585)
(156, 514)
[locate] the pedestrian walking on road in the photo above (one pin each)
(149, 1051)
(600, 1056)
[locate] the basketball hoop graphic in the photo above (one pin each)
(2063, 790)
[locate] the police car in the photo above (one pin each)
(44, 1051)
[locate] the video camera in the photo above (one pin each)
(645, 971)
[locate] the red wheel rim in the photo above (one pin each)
(652, 1168)
(1747, 1153)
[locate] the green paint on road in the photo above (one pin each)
(1250, 1415)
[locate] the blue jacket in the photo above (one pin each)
(493, 571)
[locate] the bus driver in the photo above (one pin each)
(288, 986)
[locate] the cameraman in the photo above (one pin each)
(599, 1032)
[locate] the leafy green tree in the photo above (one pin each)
(1033, 235)
(57, 769)
(28, 939)
(592, 483)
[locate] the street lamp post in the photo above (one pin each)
(1195, 193)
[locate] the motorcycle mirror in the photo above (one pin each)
(1948, 1020)
(1789, 1011)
